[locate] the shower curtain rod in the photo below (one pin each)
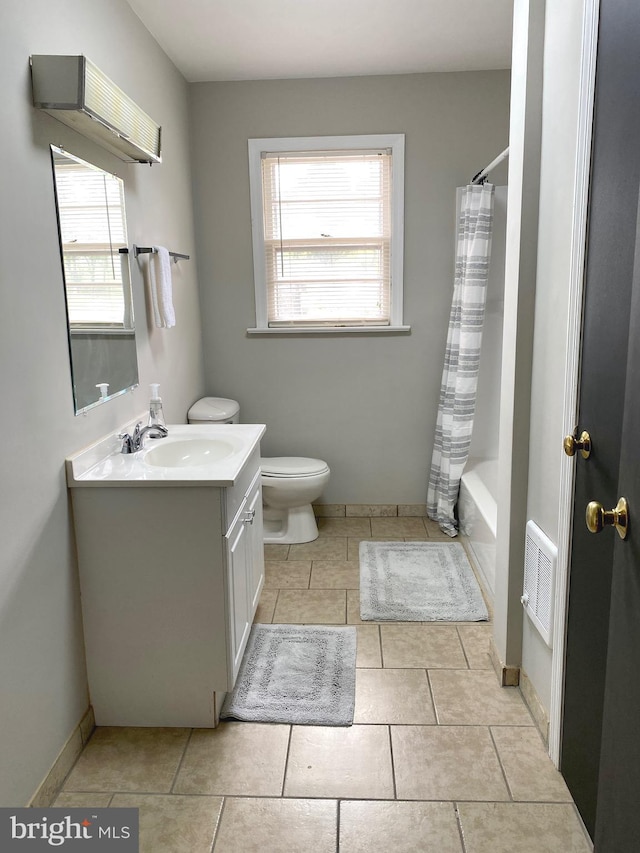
(477, 179)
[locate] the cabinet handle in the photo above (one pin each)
(249, 516)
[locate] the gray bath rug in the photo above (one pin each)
(418, 582)
(298, 674)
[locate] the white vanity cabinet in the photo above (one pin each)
(170, 577)
(245, 573)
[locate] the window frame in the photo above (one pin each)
(67, 214)
(394, 142)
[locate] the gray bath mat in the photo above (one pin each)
(418, 582)
(298, 674)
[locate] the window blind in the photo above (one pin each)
(327, 230)
(92, 229)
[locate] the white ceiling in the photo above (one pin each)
(272, 39)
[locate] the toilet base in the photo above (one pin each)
(291, 526)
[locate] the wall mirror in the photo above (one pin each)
(95, 266)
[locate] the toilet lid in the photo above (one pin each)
(213, 409)
(292, 466)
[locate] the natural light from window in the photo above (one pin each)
(327, 232)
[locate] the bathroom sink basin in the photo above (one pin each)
(189, 452)
(191, 455)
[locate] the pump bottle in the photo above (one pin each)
(156, 415)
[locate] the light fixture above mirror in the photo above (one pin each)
(74, 90)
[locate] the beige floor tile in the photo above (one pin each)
(475, 640)
(353, 547)
(334, 574)
(81, 800)
(287, 574)
(241, 759)
(530, 773)
(353, 608)
(276, 552)
(521, 828)
(393, 696)
(173, 824)
(351, 762)
(421, 646)
(344, 527)
(402, 526)
(277, 826)
(446, 763)
(322, 548)
(434, 532)
(253, 765)
(474, 697)
(266, 606)
(311, 607)
(129, 759)
(368, 653)
(398, 826)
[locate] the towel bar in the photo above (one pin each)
(146, 250)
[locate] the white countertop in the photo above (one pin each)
(103, 464)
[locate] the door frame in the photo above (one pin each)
(572, 363)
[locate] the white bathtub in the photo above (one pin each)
(478, 514)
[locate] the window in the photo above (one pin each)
(92, 230)
(327, 217)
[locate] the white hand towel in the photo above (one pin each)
(161, 288)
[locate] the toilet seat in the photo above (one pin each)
(283, 467)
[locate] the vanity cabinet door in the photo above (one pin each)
(245, 572)
(239, 565)
(256, 569)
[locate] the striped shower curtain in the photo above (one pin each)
(462, 355)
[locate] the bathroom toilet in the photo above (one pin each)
(290, 484)
(214, 410)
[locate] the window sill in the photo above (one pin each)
(100, 330)
(332, 330)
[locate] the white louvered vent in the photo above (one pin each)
(540, 558)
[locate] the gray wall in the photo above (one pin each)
(43, 691)
(365, 404)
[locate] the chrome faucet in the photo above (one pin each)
(133, 443)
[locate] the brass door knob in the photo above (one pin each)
(597, 517)
(583, 444)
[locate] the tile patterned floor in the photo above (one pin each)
(440, 759)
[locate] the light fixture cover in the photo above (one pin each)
(75, 91)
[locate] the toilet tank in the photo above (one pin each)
(214, 410)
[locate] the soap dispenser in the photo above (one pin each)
(156, 415)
